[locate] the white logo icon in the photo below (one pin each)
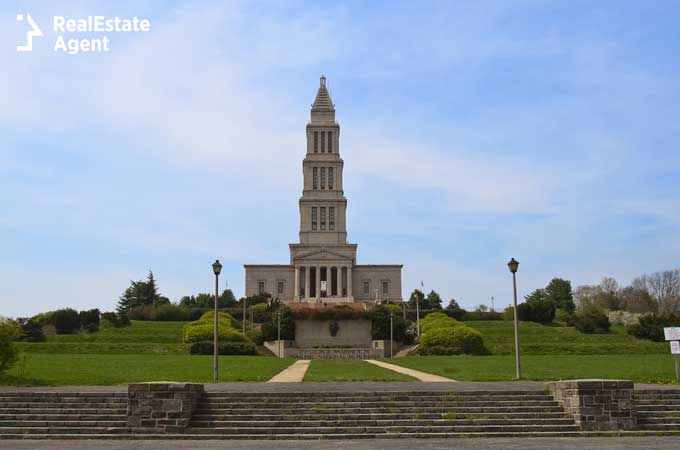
(30, 34)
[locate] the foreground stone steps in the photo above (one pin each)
(380, 429)
(385, 404)
(379, 410)
(658, 410)
(54, 414)
(374, 423)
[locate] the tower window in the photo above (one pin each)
(331, 218)
(323, 218)
(323, 142)
(367, 287)
(314, 218)
(260, 287)
(323, 178)
(385, 289)
(330, 142)
(330, 178)
(279, 287)
(315, 178)
(316, 142)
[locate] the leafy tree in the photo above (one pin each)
(9, 332)
(31, 330)
(637, 300)
(559, 291)
(380, 316)
(482, 308)
(539, 306)
(226, 299)
(454, 310)
(139, 293)
(89, 320)
(433, 300)
(66, 321)
(419, 296)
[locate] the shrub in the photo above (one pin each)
(255, 336)
(174, 313)
(482, 315)
(591, 320)
(260, 312)
(89, 320)
(270, 328)
(31, 331)
(66, 321)
(143, 312)
(454, 340)
(114, 320)
(223, 348)
(650, 326)
(436, 320)
(380, 322)
(564, 316)
(221, 316)
(9, 332)
(202, 330)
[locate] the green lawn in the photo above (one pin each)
(140, 332)
(650, 368)
(350, 370)
(90, 369)
(540, 339)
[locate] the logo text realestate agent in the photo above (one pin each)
(99, 30)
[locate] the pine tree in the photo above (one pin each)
(139, 293)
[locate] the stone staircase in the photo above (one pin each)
(349, 415)
(40, 415)
(658, 410)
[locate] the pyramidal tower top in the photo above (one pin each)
(323, 109)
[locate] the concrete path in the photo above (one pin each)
(294, 373)
(582, 443)
(422, 376)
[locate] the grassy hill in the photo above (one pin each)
(537, 339)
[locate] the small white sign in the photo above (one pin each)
(672, 333)
(675, 348)
(323, 288)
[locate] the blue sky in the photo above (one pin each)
(472, 132)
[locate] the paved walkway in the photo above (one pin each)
(294, 373)
(582, 443)
(417, 374)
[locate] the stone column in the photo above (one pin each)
(318, 282)
(296, 292)
(307, 281)
(339, 274)
(350, 291)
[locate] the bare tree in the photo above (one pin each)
(609, 285)
(664, 287)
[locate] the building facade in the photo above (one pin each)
(323, 264)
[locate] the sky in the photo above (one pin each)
(472, 132)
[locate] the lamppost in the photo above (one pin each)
(391, 332)
(513, 265)
(217, 268)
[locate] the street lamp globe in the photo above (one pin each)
(513, 265)
(217, 267)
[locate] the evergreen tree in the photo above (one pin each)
(417, 294)
(559, 291)
(454, 310)
(139, 293)
(433, 300)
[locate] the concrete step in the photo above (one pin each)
(367, 422)
(63, 410)
(374, 398)
(559, 414)
(60, 405)
(395, 404)
(64, 423)
(657, 420)
(298, 395)
(63, 430)
(378, 429)
(658, 414)
(47, 417)
(52, 399)
(83, 395)
(665, 401)
(661, 426)
(411, 410)
(659, 407)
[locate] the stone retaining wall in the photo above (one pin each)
(161, 407)
(597, 404)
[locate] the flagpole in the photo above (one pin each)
(418, 311)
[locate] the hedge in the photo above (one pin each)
(437, 320)
(203, 329)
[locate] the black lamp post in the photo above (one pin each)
(513, 265)
(217, 268)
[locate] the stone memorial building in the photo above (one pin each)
(323, 265)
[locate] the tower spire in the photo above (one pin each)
(323, 109)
